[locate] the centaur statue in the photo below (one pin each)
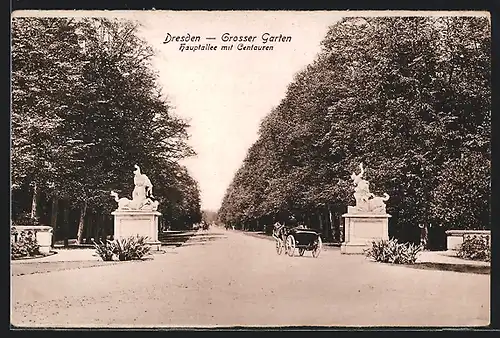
(365, 200)
(143, 186)
(141, 196)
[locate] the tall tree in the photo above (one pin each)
(46, 74)
(407, 96)
(86, 108)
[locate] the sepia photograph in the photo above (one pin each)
(250, 169)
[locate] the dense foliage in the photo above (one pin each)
(476, 248)
(26, 244)
(86, 107)
(407, 96)
(390, 251)
(124, 249)
(104, 249)
(131, 248)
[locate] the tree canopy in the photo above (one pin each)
(87, 107)
(407, 96)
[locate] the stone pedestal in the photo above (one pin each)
(137, 222)
(362, 229)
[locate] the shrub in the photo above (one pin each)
(476, 248)
(25, 246)
(390, 251)
(26, 219)
(18, 251)
(125, 249)
(131, 248)
(105, 250)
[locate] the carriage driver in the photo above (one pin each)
(292, 222)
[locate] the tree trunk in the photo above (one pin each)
(34, 200)
(83, 211)
(53, 218)
(53, 215)
(341, 228)
(65, 225)
(321, 226)
(95, 221)
(331, 221)
(106, 229)
(101, 226)
(89, 228)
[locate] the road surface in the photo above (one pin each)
(233, 279)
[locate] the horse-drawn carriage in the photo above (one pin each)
(288, 239)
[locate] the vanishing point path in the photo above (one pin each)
(235, 279)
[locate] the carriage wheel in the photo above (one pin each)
(279, 247)
(317, 248)
(301, 251)
(290, 245)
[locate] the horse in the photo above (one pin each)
(278, 231)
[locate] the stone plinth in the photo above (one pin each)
(43, 235)
(455, 238)
(137, 222)
(362, 229)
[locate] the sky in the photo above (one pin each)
(225, 94)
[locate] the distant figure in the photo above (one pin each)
(205, 225)
(424, 235)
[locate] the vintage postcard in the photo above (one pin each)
(250, 169)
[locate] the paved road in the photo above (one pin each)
(239, 280)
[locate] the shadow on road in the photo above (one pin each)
(46, 267)
(306, 256)
(188, 238)
(203, 239)
(465, 268)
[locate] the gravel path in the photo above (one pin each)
(239, 280)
